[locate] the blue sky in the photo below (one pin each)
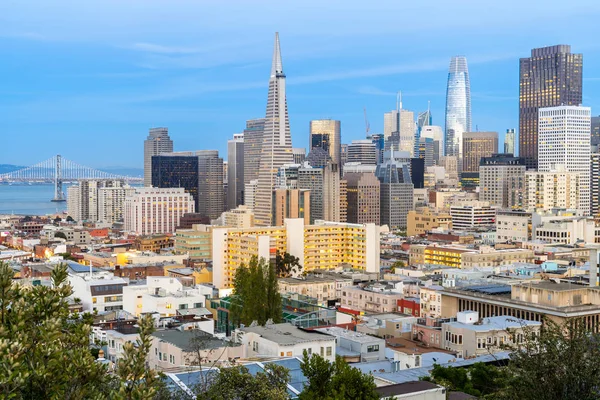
(86, 79)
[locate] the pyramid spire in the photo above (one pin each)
(277, 67)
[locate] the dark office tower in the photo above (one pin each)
(235, 171)
(595, 141)
(210, 183)
(551, 77)
(595, 182)
(253, 136)
(326, 134)
(476, 145)
(157, 142)
(176, 170)
(417, 172)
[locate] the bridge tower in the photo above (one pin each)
(59, 196)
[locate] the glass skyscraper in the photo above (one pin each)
(458, 106)
(551, 77)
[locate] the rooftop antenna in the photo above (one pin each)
(367, 125)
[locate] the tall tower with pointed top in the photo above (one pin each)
(277, 141)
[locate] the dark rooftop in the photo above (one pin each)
(405, 388)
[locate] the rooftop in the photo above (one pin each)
(286, 334)
(185, 339)
(495, 323)
(350, 335)
(406, 388)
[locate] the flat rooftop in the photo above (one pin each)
(185, 340)
(495, 323)
(554, 286)
(287, 334)
(350, 335)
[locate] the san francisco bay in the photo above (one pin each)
(25, 199)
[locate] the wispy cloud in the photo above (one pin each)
(161, 49)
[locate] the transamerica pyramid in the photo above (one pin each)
(277, 141)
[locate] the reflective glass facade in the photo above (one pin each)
(458, 106)
(170, 171)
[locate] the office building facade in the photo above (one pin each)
(551, 77)
(210, 184)
(176, 170)
(253, 141)
(158, 142)
(363, 192)
(327, 134)
(510, 142)
(458, 106)
(502, 180)
(362, 151)
(396, 192)
(235, 171)
(476, 145)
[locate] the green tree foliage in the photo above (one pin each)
(256, 294)
(480, 380)
(45, 349)
(236, 383)
(70, 219)
(562, 362)
(335, 381)
(399, 265)
(286, 264)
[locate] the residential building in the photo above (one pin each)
(326, 134)
(153, 243)
(476, 145)
(240, 217)
(468, 336)
(502, 180)
(513, 226)
(277, 142)
(564, 141)
(97, 290)
(466, 258)
(424, 219)
(396, 191)
(235, 171)
(290, 203)
(83, 199)
(111, 203)
(158, 142)
(284, 340)
(472, 215)
(387, 325)
(566, 231)
(553, 189)
(152, 210)
(210, 184)
(458, 107)
(362, 151)
(376, 298)
(431, 301)
(163, 295)
(551, 77)
(363, 198)
(176, 348)
(326, 289)
(510, 142)
(324, 245)
(356, 346)
(595, 181)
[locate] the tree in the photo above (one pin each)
(255, 294)
(70, 219)
(236, 383)
(286, 264)
(480, 380)
(60, 235)
(45, 349)
(57, 220)
(563, 360)
(399, 265)
(335, 381)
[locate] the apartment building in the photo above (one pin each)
(472, 215)
(424, 219)
(468, 258)
(513, 226)
(371, 299)
(325, 289)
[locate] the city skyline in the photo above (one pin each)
(112, 87)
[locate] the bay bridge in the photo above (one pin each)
(58, 170)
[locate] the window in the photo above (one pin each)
(322, 352)
(329, 351)
(198, 305)
(183, 306)
(94, 300)
(372, 348)
(309, 351)
(281, 354)
(255, 347)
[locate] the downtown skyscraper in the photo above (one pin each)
(276, 148)
(458, 106)
(551, 77)
(158, 142)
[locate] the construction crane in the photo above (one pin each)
(367, 126)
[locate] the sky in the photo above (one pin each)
(87, 79)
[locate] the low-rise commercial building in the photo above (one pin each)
(422, 220)
(325, 289)
(513, 226)
(472, 215)
(195, 242)
(356, 346)
(463, 257)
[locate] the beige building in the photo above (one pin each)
(196, 242)
(469, 336)
(424, 219)
(513, 226)
(290, 203)
(547, 190)
(323, 289)
(370, 301)
(175, 349)
(463, 257)
(477, 145)
(501, 180)
(240, 217)
(327, 134)
(362, 197)
(431, 301)
(531, 301)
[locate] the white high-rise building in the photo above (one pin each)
(158, 142)
(564, 140)
(111, 203)
(437, 134)
(403, 122)
(362, 151)
(153, 210)
(84, 202)
(553, 189)
(277, 141)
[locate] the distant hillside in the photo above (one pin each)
(5, 168)
(128, 171)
